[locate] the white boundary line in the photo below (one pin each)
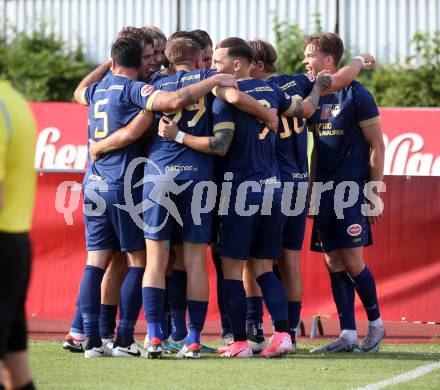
(407, 376)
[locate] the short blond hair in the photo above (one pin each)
(265, 53)
(181, 50)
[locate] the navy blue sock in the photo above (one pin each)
(276, 271)
(343, 295)
(130, 303)
(107, 321)
(77, 323)
(366, 288)
(166, 310)
(254, 317)
(275, 300)
(153, 308)
(225, 324)
(90, 298)
(196, 317)
(234, 298)
(294, 310)
(178, 303)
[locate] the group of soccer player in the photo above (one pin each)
(168, 116)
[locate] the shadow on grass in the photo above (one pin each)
(383, 355)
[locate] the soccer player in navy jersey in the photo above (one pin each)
(74, 341)
(291, 148)
(192, 167)
(249, 150)
(348, 154)
(159, 43)
(114, 102)
(206, 47)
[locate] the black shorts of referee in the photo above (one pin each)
(15, 262)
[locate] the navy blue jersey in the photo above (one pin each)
(113, 103)
(196, 119)
(342, 151)
(251, 155)
(156, 76)
(291, 147)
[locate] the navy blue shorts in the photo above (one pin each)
(295, 226)
(257, 236)
(114, 228)
(170, 216)
(330, 233)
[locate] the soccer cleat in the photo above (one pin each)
(205, 350)
(155, 348)
(95, 352)
(341, 344)
(72, 344)
(239, 349)
(257, 345)
(280, 343)
(170, 346)
(131, 351)
(226, 341)
(189, 352)
(373, 339)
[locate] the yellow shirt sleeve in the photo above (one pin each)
(5, 132)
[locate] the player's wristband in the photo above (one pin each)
(361, 59)
(179, 137)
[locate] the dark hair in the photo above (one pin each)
(327, 43)
(265, 53)
(136, 33)
(203, 36)
(180, 50)
(186, 34)
(237, 48)
(127, 52)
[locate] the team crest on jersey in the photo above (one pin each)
(354, 230)
(336, 109)
(146, 90)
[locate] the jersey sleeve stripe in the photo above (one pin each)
(224, 125)
(150, 100)
(369, 122)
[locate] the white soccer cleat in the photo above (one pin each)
(341, 344)
(72, 344)
(189, 352)
(95, 352)
(256, 346)
(373, 339)
(155, 349)
(132, 351)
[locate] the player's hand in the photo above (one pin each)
(167, 128)
(225, 80)
(93, 150)
(324, 80)
(272, 119)
(370, 61)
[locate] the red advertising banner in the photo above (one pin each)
(405, 257)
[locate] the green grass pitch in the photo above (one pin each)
(54, 368)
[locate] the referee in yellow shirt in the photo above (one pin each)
(17, 191)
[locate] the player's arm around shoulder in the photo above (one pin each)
(123, 136)
(249, 105)
(348, 73)
(80, 94)
(305, 108)
(176, 100)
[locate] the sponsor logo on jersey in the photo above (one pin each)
(354, 230)
(146, 90)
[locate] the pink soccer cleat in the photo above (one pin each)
(280, 343)
(240, 349)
